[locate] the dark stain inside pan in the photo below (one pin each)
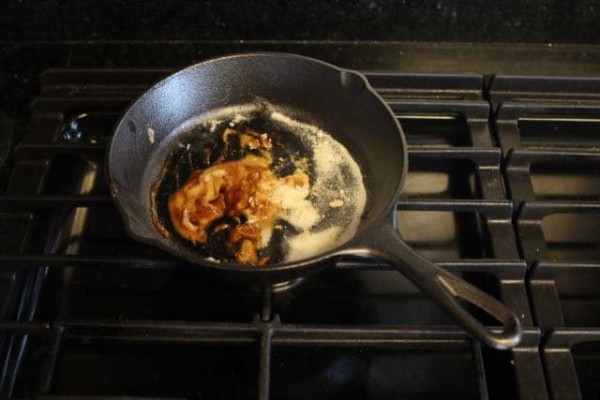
(201, 146)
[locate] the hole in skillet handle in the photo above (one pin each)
(447, 290)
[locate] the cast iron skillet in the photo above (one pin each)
(338, 101)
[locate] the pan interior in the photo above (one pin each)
(338, 191)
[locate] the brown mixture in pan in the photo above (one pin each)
(246, 190)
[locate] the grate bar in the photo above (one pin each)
(62, 261)
(26, 203)
(529, 89)
(468, 109)
(493, 209)
(539, 209)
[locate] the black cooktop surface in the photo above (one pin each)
(502, 190)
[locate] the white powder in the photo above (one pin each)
(338, 181)
(240, 114)
(296, 208)
(303, 215)
(237, 118)
(265, 237)
(212, 124)
(151, 135)
(312, 243)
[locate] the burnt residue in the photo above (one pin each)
(200, 147)
(281, 230)
(217, 235)
(156, 221)
(113, 189)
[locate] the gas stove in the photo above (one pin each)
(503, 189)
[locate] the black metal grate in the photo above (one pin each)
(549, 128)
(87, 311)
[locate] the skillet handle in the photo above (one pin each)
(445, 288)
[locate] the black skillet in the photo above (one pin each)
(338, 101)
